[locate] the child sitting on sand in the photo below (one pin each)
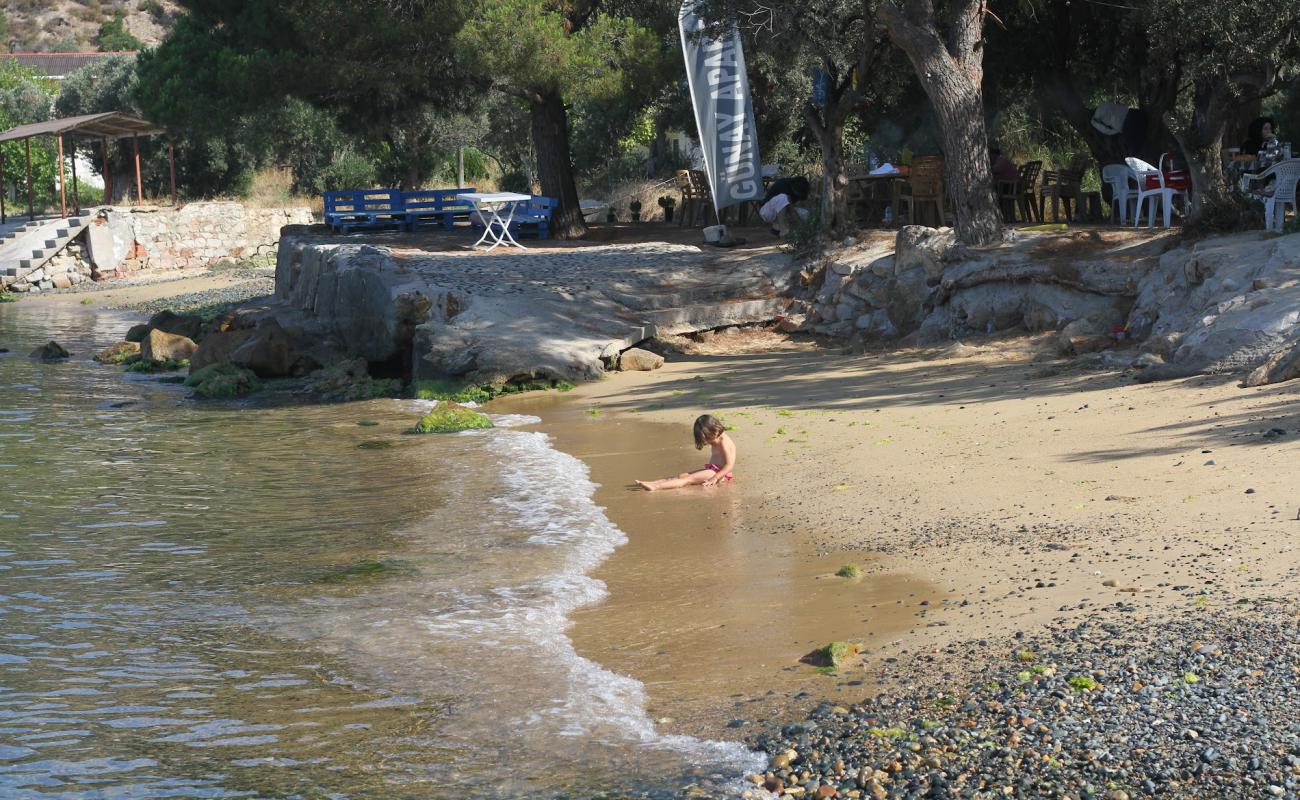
(708, 430)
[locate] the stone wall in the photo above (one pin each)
(123, 239)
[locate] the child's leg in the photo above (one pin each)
(684, 479)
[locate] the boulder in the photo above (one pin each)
(1089, 334)
(187, 325)
(217, 381)
(638, 359)
(267, 352)
(1281, 366)
(136, 333)
(163, 346)
(62, 281)
(791, 323)
(216, 348)
(118, 353)
(450, 418)
(51, 351)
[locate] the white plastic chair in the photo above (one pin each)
(1286, 175)
(1141, 170)
(1122, 190)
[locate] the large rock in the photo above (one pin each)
(1222, 305)
(187, 325)
(1091, 333)
(487, 321)
(51, 351)
(637, 359)
(221, 381)
(118, 353)
(217, 348)
(1281, 366)
(451, 418)
(162, 346)
(268, 352)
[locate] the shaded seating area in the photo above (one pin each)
(923, 193)
(1020, 194)
(106, 127)
(392, 209)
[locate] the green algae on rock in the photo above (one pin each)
(118, 353)
(450, 418)
(462, 392)
(222, 381)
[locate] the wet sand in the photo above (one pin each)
(709, 605)
(985, 490)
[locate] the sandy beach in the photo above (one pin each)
(984, 490)
(987, 491)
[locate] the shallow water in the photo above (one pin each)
(234, 600)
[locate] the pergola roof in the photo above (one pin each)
(110, 124)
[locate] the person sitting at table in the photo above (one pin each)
(1003, 170)
(1262, 141)
(778, 209)
(1255, 135)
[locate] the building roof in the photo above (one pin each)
(110, 124)
(61, 65)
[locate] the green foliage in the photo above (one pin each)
(1081, 683)
(850, 571)
(349, 171)
(9, 297)
(25, 98)
(462, 392)
(805, 234)
(450, 418)
(451, 390)
(526, 43)
(114, 37)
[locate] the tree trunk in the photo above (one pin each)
(836, 219)
(960, 110)
(1202, 144)
(951, 73)
(550, 122)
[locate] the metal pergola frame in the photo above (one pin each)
(107, 126)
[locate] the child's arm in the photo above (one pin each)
(729, 451)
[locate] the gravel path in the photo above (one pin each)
(1203, 704)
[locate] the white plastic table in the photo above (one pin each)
(489, 206)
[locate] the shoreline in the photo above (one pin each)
(988, 490)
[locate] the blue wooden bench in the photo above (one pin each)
(364, 208)
(531, 217)
(436, 207)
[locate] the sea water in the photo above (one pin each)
(242, 599)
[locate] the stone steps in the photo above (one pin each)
(52, 236)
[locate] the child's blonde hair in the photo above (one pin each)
(707, 428)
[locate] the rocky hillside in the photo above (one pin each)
(73, 25)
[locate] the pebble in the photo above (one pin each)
(1200, 705)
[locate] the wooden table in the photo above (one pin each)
(871, 185)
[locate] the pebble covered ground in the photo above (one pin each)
(258, 283)
(1195, 705)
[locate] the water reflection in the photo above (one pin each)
(204, 600)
